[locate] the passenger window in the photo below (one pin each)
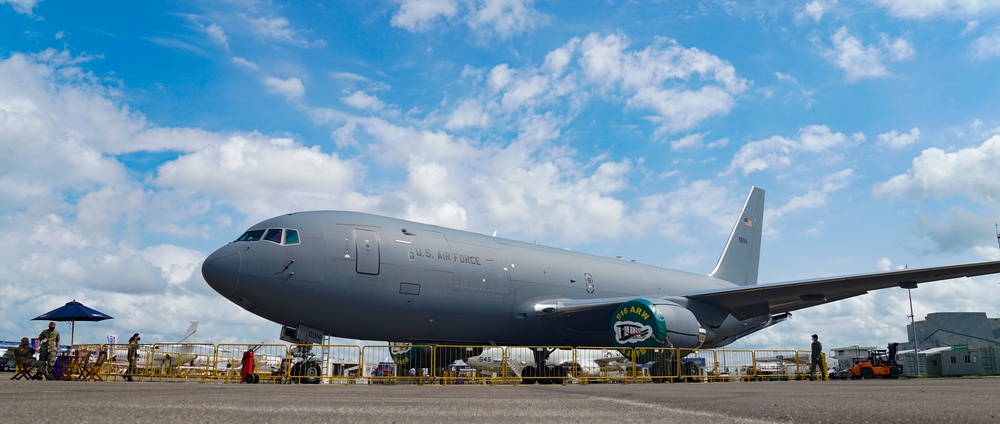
(291, 237)
(252, 235)
(273, 235)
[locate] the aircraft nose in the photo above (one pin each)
(222, 269)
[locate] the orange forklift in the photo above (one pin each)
(879, 363)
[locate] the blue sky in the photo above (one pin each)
(137, 138)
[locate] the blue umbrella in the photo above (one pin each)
(73, 311)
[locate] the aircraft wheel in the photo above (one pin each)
(558, 374)
(528, 375)
(312, 373)
(867, 373)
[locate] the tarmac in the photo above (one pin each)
(936, 400)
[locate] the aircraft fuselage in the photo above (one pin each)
(363, 276)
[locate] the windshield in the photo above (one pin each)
(282, 236)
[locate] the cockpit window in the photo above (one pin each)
(273, 235)
(252, 235)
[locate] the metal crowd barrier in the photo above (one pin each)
(446, 364)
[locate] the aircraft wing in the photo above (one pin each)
(748, 301)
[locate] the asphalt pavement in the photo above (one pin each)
(931, 400)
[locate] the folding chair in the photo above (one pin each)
(77, 363)
(92, 372)
(20, 371)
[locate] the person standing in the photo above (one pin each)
(133, 356)
(48, 348)
(816, 359)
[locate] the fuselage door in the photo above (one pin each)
(366, 244)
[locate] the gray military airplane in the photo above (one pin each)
(362, 276)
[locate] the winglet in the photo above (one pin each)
(190, 331)
(740, 259)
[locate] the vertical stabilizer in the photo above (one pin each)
(740, 260)
(190, 331)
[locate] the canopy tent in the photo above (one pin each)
(73, 311)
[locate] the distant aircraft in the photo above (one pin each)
(165, 356)
(362, 276)
(587, 363)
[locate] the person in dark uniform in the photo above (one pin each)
(816, 359)
(132, 356)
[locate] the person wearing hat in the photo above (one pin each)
(816, 359)
(48, 348)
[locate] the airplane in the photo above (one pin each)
(164, 356)
(361, 276)
(587, 362)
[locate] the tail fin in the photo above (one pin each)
(190, 331)
(740, 260)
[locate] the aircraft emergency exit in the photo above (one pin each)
(368, 277)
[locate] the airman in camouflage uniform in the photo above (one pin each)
(48, 348)
(26, 358)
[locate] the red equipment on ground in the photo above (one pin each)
(247, 374)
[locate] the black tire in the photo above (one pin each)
(691, 371)
(528, 375)
(312, 373)
(867, 373)
(894, 372)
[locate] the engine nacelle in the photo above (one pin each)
(643, 323)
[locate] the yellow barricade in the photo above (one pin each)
(391, 364)
(461, 364)
(733, 365)
(177, 361)
(778, 365)
(327, 364)
(270, 363)
(656, 365)
(603, 365)
(555, 370)
(116, 366)
(446, 364)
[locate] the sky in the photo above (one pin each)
(138, 137)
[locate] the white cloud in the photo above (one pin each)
(362, 100)
(217, 34)
(814, 198)
(924, 9)
(894, 140)
(815, 10)
(263, 176)
(23, 7)
(291, 88)
(502, 19)
(779, 151)
(987, 46)
(970, 172)
(239, 61)
(419, 15)
(859, 61)
(280, 29)
(487, 19)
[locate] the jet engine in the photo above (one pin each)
(646, 323)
